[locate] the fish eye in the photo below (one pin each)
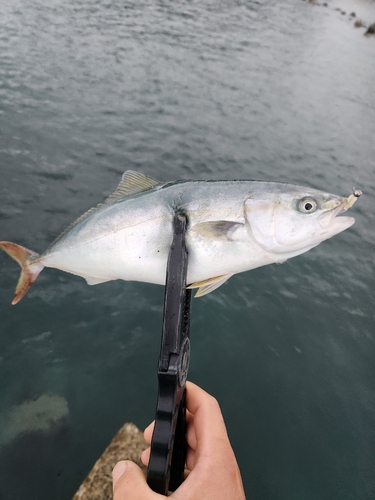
(307, 205)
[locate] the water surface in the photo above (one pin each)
(206, 90)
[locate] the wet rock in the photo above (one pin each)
(370, 30)
(127, 444)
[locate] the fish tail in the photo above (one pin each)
(30, 267)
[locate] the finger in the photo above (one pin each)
(191, 457)
(145, 456)
(130, 482)
(148, 432)
(209, 427)
(191, 437)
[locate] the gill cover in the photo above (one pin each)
(260, 215)
(277, 227)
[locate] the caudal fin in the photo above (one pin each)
(30, 267)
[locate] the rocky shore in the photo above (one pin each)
(127, 444)
(369, 29)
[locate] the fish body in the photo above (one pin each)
(233, 226)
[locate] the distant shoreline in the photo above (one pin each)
(358, 23)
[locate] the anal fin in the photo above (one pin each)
(209, 285)
(93, 280)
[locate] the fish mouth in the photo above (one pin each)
(331, 218)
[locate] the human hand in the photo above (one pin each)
(212, 470)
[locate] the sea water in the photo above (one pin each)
(208, 89)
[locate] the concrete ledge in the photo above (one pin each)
(127, 444)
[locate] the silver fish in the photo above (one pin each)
(233, 226)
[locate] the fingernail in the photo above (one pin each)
(118, 471)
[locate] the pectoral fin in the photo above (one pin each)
(217, 230)
(207, 286)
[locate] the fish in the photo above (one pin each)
(232, 227)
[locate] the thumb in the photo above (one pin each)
(129, 482)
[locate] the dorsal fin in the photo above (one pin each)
(132, 182)
(83, 216)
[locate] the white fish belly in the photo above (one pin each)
(140, 253)
(216, 258)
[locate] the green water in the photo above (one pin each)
(206, 90)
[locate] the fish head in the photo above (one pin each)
(293, 219)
